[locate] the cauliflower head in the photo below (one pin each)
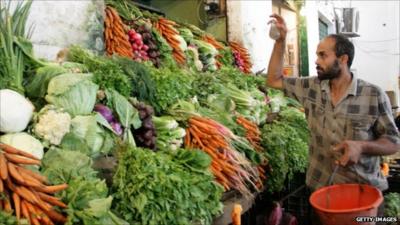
(52, 124)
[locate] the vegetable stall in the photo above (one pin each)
(177, 112)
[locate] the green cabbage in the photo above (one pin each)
(24, 142)
(87, 195)
(74, 92)
(88, 136)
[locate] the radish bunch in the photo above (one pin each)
(138, 47)
(238, 60)
(149, 40)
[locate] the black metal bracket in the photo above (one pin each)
(148, 8)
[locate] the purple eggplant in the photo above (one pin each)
(117, 127)
(105, 112)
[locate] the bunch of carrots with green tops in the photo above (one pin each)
(25, 192)
(231, 169)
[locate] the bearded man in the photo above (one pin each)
(350, 120)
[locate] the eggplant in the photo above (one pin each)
(116, 127)
(105, 112)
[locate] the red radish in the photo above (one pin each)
(137, 36)
(143, 53)
(145, 47)
(139, 42)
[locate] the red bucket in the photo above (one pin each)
(341, 204)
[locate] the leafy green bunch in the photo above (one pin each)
(165, 187)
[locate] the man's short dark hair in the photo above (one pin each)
(343, 46)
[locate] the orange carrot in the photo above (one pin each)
(24, 210)
(29, 173)
(236, 214)
(55, 216)
(17, 205)
(6, 202)
(54, 188)
(52, 200)
(12, 150)
(21, 160)
(14, 173)
(3, 167)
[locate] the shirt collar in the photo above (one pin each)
(352, 90)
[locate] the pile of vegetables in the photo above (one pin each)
(25, 192)
(106, 73)
(286, 149)
(166, 28)
(165, 188)
(231, 169)
(171, 86)
(163, 85)
(114, 34)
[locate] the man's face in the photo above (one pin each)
(327, 63)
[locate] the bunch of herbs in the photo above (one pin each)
(162, 189)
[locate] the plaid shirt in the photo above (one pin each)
(364, 113)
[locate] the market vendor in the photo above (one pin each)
(350, 119)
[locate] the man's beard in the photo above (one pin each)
(329, 73)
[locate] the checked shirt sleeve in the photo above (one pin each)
(296, 88)
(385, 125)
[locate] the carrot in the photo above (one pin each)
(26, 194)
(17, 205)
(236, 214)
(43, 217)
(187, 139)
(55, 216)
(34, 211)
(21, 160)
(204, 126)
(46, 220)
(27, 172)
(3, 167)
(54, 188)
(385, 169)
(10, 184)
(167, 21)
(1, 186)
(12, 150)
(6, 203)
(52, 200)
(14, 173)
(24, 210)
(196, 137)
